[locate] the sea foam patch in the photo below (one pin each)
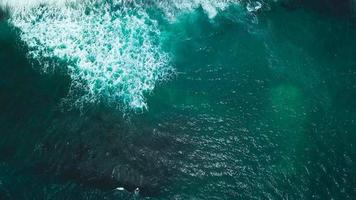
(113, 53)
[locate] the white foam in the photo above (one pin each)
(25, 4)
(253, 6)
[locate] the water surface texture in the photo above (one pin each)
(182, 99)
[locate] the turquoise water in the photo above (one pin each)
(181, 99)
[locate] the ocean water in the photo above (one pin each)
(183, 99)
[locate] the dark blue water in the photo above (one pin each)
(181, 99)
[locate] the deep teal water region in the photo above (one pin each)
(178, 99)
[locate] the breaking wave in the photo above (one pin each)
(112, 47)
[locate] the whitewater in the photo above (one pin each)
(111, 49)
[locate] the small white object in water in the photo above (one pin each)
(120, 188)
(137, 191)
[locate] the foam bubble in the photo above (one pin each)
(113, 55)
